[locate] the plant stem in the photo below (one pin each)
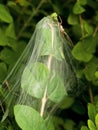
(91, 95)
(81, 24)
(30, 18)
(2, 107)
(44, 99)
(96, 30)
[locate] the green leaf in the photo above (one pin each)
(28, 118)
(5, 15)
(84, 49)
(7, 37)
(96, 74)
(8, 56)
(82, 2)
(34, 79)
(56, 89)
(3, 71)
(80, 52)
(88, 28)
(69, 124)
(50, 125)
(78, 107)
(51, 43)
(76, 30)
(54, 16)
(19, 46)
(96, 121)
(90, 70)
(10, 31)
(24, 3)
(78, 9)
(84, 128)
(73, 19)
(91, 112)
(91, 125)
(3, 38)
(67, 102)
(57, 121)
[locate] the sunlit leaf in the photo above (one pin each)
(96, 120)
(91, 112)
(91, 125)
(28, 118)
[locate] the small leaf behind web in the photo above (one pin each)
(56, 89)
(28, 118)
(34, 79)
(52, 42)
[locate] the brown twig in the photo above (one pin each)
(34, 12)
(44, 98)
(81, 24)
(1, 107)
(91, 95)
(96, 30)
(7, 84)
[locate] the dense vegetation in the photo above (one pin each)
(18, 19)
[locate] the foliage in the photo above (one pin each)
(80, 20)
